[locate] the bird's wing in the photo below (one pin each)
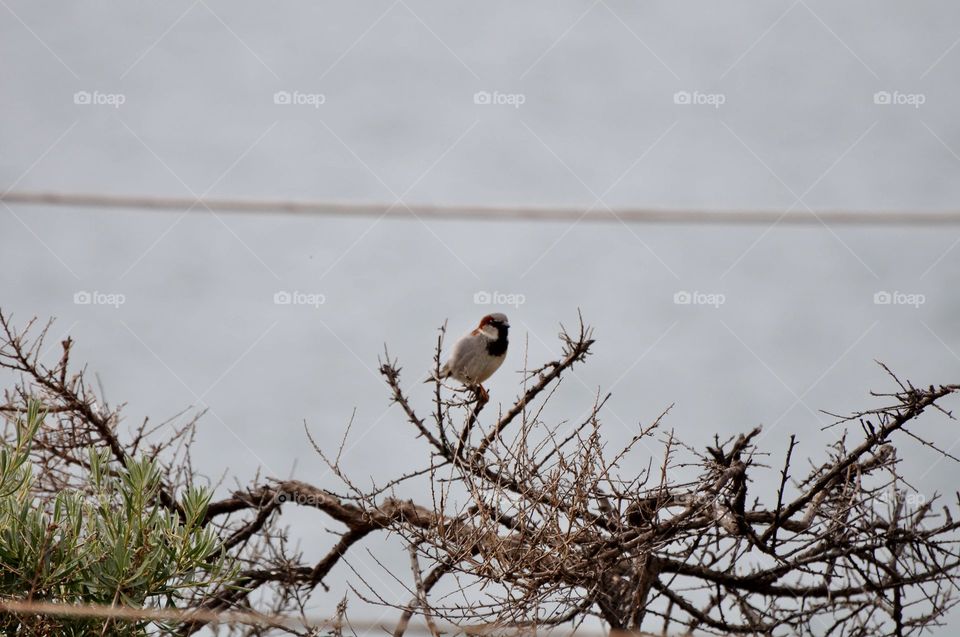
(465, 352)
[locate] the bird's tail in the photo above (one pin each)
(434, 378)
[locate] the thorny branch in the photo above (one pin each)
(534, 523)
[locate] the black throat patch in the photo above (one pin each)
(498, 347)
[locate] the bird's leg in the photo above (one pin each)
(482, 394)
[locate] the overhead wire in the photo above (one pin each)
(469, 212)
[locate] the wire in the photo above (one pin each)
(248, 618)
(487, 213)
(153, 614)
(230, 617)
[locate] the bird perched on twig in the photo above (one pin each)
(477, 355)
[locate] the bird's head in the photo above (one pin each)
(492, 325)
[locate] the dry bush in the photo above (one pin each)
(529, 523)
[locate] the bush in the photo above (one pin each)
(111, 545)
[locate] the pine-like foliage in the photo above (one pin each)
(113, 544)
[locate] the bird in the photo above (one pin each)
(478, 354)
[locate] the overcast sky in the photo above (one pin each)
(781, 106)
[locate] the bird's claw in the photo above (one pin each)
(482, 394)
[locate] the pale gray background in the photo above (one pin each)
(799, 330)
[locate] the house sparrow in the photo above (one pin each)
(478, 354)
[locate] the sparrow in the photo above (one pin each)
(478, 354)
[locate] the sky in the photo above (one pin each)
(790, 107)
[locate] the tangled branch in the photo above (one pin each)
(530, 522)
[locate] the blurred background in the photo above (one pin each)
(782, 106)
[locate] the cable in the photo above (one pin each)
(487, 213)
(249, 618)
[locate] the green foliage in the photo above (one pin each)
(114, 544)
